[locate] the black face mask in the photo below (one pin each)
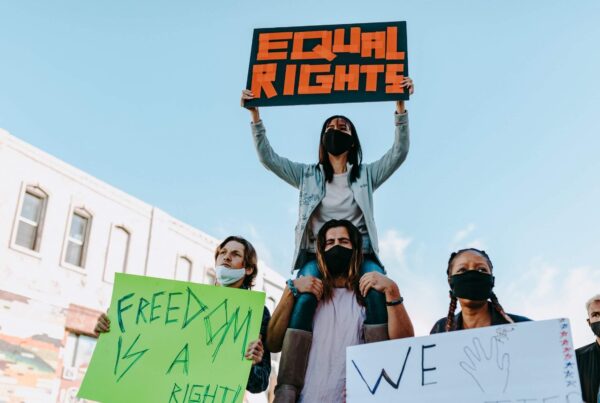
(595, 328)
(472, 285)
(337, 260)
(337, 142)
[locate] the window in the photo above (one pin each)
(31, 217)
(183, 270)
(77, 355)
(77, 237)
(118, 249)
(210, 277)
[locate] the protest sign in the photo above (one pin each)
(328, 64)
(529, 362)
(172, 341)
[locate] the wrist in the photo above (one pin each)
(392, 292)
(292, 287)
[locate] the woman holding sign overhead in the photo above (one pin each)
(471, 282)
(236, 266)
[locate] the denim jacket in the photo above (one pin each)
(310, 180)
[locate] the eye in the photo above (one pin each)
(461, 270)
(482, 269)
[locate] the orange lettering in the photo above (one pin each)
(373, 41)
(371, 70)
(342, 77)
(263, 76)
(325, 81)
(320, 51)
(271, 41)
(392, 45)
(393, 79)
(338, 41)
(290, 80)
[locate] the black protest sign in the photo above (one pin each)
(328, 64)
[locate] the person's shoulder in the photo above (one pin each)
(585, 349)
(518, 318)
(439, 326)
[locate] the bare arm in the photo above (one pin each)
(279, 321)
(399, 323)
(283, 312)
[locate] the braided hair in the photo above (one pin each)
(450, 325)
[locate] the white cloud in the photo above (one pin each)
(423, 294)
(545, 291)
(463, 239)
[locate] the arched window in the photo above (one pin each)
(78, 237)
(183, 269)
(31, 218)
(118, 251)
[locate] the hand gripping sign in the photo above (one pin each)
(174, 342)
(328, 64)
(529, 362)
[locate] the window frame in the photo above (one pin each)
(114, 227)
(37, 191)
(81, 211)
(190, 261)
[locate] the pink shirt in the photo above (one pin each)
(338, 324)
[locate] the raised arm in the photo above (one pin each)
(281, 317)
(399, 323)
(289, 171)
(383, 168)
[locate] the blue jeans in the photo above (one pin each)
(306, 303)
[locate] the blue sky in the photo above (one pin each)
(504, 130)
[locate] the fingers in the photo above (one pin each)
(102, 325)
(255, 351)
(311, 285)
(407, 83)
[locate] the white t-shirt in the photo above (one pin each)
(338, 204)
(338, 324)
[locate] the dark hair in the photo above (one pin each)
(354, 155)
(355, 262)
(450, 325)
(250, 258)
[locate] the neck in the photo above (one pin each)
(338, 163)
(475, 316)
(339, 282)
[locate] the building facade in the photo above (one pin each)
(63, 235)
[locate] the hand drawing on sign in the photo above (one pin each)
(489, 371)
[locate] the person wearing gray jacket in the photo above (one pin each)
(338, 187)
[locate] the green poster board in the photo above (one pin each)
(173, 342)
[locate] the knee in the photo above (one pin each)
(369, 266)
(309, 269)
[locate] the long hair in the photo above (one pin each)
(450, 325)
(354, 154)
(250, 258)
(353, 275)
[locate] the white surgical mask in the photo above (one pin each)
(227, 276)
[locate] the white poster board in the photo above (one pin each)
(529, 362)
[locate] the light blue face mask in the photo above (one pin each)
(227, 276)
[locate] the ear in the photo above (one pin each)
(249, 272)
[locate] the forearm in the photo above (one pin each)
(255, 115)
(399, 323)
(279, 321)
